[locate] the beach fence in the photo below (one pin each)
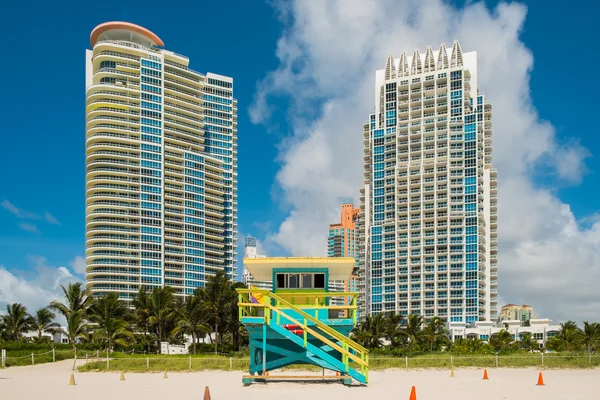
(167, 363)
(547, 360)
(23, 357)
(131, 361)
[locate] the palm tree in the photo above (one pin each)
(17, 321)
(371, 331)
(528, 343)
(3, 334)
(110, 314)
(43, 322)
(141, 309)
(393, 329)
(77, 327)
(434, 332)
(161, 310)
(589, 336)
(191, 317)
(233, 323)
(77, 298)
(568, 339)
(413, 331)
(501, 341)
(75, 310)
(215, 294)
(474, 344)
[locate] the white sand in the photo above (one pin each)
(51, 381)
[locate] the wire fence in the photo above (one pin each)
(97, 360)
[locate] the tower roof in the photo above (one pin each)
(119, 30)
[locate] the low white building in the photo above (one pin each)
(541, 330)
(168, 348)
(58, 337)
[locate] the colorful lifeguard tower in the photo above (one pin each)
(296, 322)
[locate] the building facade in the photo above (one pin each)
(343, 241)
(429, 231)
(513, 312)
(161, 166)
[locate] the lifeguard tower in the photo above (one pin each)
(296, 323)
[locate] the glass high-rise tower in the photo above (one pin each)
(161, 166)
(429, 231)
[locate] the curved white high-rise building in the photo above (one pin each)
(161, 166)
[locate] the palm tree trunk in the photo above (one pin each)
(194, 341)
(216, 336)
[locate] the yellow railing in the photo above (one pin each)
(349, 349)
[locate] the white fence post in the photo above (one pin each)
(231, 364)
(406, 362)
(542, 359)
(32, 360)
(53, 355)
(190, 367)
(107, 360)
(496, 360)
(148, 362)
(3, 358)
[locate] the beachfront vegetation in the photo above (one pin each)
(394, 334)
(95, 325)
(157, 315)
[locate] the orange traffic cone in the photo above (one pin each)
(485, 375)
(413, 394)
(540, 380)
(337, 373)
(206, 393)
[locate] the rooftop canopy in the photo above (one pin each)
(118, 30)
(339, 268)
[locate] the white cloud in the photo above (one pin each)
(36, 289)
(51, 219)
(24, 214)
(78, 264)
(328, 53)
(260, 248)
(26, 226)
(18, 212)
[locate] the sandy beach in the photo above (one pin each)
(51, 381)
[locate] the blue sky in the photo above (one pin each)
(42, 156)
(42, 153)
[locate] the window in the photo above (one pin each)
(307, 280)
(301, 281)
